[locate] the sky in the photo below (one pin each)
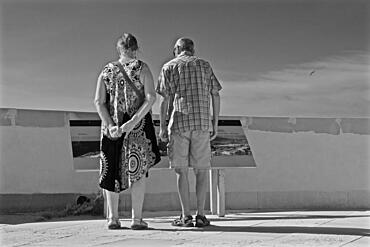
(273, 58)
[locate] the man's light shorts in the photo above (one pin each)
(190, 149)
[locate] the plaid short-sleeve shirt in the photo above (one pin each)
(188, 81)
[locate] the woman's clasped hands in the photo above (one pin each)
(117, 132)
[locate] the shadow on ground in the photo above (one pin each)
(15, 219)
(280, 229)
(289, 217)
(167, 217)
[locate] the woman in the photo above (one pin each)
(128, 142)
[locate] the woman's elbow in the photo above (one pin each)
(98, 103)
(151, 98)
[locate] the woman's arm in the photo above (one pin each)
(100, 104)
(146, 78)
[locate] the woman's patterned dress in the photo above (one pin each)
(128, 158)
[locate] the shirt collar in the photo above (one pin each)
(184, 53)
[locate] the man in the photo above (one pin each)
(186, 84)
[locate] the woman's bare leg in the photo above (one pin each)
(137, 197)
(112, 204)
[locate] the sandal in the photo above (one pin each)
(186, 221)
(139, 224)
(201, 221)
(113, 223)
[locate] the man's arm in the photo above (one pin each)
(214, 91)
(163, 108)
(216, 102)
(163, 89)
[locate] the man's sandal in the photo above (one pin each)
(186, 221)
(201, 221)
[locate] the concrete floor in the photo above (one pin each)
(248, 228)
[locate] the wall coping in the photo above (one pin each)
(323, 125)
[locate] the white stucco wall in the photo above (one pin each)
(299, 170)
(301, 163)
(36, 155)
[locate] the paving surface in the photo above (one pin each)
(249, 228)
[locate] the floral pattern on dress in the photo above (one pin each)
(139, 149)
(103, 166)
(121, 96)
(137, 155)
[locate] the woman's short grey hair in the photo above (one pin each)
(127, 42)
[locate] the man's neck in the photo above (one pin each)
(185, 53)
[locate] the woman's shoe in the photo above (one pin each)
(139, 224)
(114, 223)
